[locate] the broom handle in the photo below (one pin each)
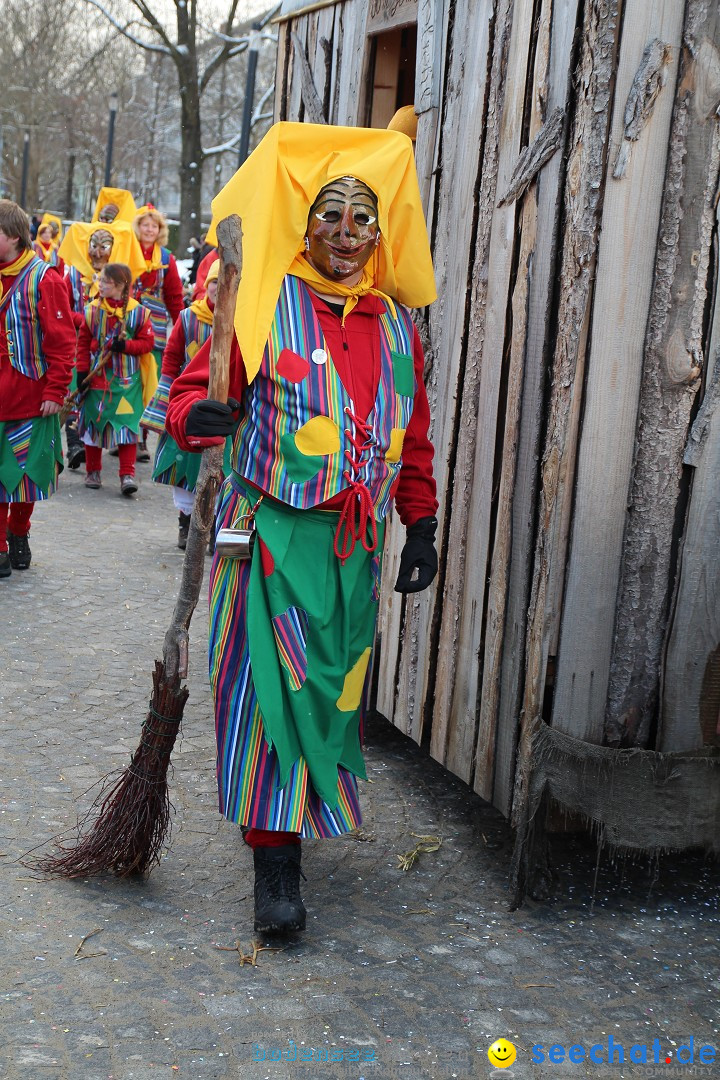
(175, 649)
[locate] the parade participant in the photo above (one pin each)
(46, 245)
(159, 288)
(328, 369)
(173, 466)
(87, 248)
(114, 204)
(37, 346)
(203, 266)
(117, 330)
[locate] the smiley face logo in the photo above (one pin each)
(502, 1054)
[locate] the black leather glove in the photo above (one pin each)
(418, 554)
(118, 345)
(83, 383)
(209, 419)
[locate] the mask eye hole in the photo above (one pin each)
(329, 216)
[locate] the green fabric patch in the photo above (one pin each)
(181, 468)
(100, 407)
(403, 374)
(299, 467)
(40, 458)
(340, 617)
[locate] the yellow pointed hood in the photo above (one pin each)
(123, 200)
(126, 249)
(273, 192)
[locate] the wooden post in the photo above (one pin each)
(672, 366)
(175, 650)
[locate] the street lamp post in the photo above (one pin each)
(111, 136)
(253, 48)
(25, 168)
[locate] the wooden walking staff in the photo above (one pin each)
(125, 829)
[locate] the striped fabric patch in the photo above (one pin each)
(18, 435)
(291, 630)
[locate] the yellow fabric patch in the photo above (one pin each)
(397, 437)
(353, 685)
(320, 436)
(124, 406)
(192, 348)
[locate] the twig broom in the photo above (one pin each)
(125, 829)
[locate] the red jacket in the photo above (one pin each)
(172, 291)
(202, 273)
(414, 490)
(174, 355)
(20, 396)
(136, 346)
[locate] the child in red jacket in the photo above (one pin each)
(116, 334)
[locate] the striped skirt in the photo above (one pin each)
(290, 643)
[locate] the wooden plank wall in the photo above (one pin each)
(537, 346)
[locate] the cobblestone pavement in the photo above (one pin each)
(419, 971)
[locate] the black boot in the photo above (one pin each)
(75, 445)
(5, 567)
(19, 551)
(183, 527)
(278, 904)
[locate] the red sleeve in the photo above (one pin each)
(415, 491)
(174, 353)
(58, 337)
(172, 290)
(143, 340)
(192, 386)
(83, 347)
(202, 273)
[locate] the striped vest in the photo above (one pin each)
(299, 420)
(123, 365)
(196, 334)
(79, 289)
(152, 299)
(22, 322)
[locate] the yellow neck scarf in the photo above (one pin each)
(155, 260)
(45, 253)
(202, 309)
(302, 269)
(15, 267)
(115, 308)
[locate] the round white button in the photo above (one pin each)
(318, 356)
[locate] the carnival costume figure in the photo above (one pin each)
(114, 204)
(87, 248)
(49, 236)
(328, 370)
(37, 346)
(116, 338)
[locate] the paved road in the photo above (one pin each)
(417, 971)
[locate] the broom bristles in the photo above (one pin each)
(132, 812)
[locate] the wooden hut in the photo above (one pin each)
(569, 161)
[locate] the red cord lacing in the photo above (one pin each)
(357, 512)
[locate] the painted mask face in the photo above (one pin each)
(149, 230)
(342, 229)
(108, 213)
(100, 248)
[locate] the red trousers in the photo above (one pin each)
(126, 457)
(265, 838)
(16, 518)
